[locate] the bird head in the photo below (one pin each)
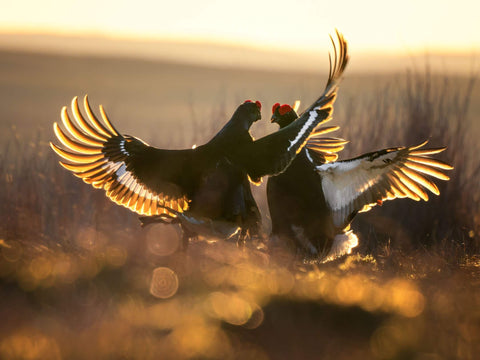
(283, 115)
(251, 110)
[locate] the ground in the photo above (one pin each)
(81, 279)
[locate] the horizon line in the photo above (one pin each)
(227, 53)
(225, 42)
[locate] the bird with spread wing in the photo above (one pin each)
(205, 189)
(313, 202)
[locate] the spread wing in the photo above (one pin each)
(321, 150)
(272, 154)
(142, 178)
(358, 184)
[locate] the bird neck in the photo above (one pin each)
(235, 128)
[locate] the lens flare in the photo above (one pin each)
(164, 283)
(162, 240)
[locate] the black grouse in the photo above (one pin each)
(205, 189)
(313, 202)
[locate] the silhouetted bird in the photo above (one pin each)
(313, 202)
(205, 189)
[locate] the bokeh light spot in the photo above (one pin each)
(116, 256)
(256, 318)
(164, 283)
(11, 250)
(405, 298)
(350, 290)
(162, 240)
(230, 308)
(281, 281)
(90, 239)
(40, 267)
(65, 268)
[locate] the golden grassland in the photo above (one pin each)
(80, 279)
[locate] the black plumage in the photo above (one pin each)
(162, 184)
(313, 202)
(205, 188)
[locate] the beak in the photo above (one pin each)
(273, 119)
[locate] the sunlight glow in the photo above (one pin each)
(370, 25)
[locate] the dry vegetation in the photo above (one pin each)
(80, 278)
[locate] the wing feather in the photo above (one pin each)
(429, 170)
(96, 123)
(74, 157)
(411, 185)
(75, 132)
(84, 125)
(431, 162)
(415, 176)
(280, 148)
(132, 173)
(358, 184)
(83, 167)
(72, 144)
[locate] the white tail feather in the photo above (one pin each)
(342, 245)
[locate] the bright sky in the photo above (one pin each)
(407, 26)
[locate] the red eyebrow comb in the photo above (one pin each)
(274, 107)
(284, 109)
(258, 103)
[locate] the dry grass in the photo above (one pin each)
(80, 279)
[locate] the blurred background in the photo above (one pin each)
(80, 279)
